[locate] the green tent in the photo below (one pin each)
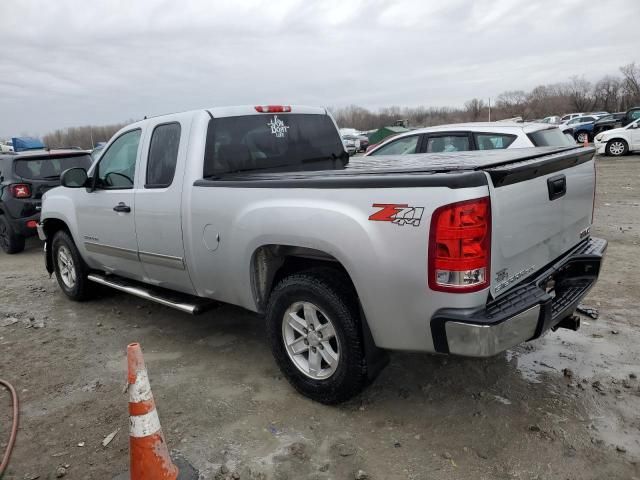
(384, 132)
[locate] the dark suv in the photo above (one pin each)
(24, 177)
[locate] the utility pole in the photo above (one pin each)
(489, 108)
(91, 133)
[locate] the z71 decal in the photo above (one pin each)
(400, 214)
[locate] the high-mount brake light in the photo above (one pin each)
(20, 190)
(273, 108)
(460, 247)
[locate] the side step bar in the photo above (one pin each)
(179, 301)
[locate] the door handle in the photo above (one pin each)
(557, 186)
(121, 207)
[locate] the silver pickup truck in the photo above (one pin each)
(466, 253)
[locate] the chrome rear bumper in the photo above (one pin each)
(524, 312)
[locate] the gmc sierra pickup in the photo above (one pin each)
(466, 253)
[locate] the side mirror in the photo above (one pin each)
(74, 178)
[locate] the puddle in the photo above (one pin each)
(587, 356)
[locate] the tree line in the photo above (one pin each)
(612, 93)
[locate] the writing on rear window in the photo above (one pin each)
(278, 128)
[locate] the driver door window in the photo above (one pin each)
(117, 166)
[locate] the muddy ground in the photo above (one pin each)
(224, 405)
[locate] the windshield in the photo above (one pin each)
(49, 168)
(551, 137)
(275, 142)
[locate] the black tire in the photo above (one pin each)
(617, 147)
(580, 137)
(10, 241)
(333, 295)
(81, 288)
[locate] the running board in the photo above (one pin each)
(180, 301)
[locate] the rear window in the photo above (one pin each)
(49, 168)
(551, 137)
(275, 142)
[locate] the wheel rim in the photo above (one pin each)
(310, 339)
(66, 267)
(582, 137)
(4, 236)
(616, 148)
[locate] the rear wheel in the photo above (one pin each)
(71, 271)
(10, 242)
(617, 147)
(314, 332)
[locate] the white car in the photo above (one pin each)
(619, 141)
(473, 136)
(569, 116)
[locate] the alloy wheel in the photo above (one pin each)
(310, 340)
(66, 267)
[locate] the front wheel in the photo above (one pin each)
(617, 148)
(314, 332)
(71, 271)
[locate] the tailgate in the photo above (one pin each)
(541, 208)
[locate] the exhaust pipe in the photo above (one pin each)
(570, 323)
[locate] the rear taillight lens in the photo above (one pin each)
(20, 190)
(273, 108)
(460, 246)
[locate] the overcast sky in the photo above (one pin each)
(76, 62)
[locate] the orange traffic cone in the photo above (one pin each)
(148, 451)
(586, 140)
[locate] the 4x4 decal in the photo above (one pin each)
(400, 214)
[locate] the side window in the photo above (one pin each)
(635, 115)
(493, 141)
(448, 143)
(163, 155)
(117, 166)
(401, 146)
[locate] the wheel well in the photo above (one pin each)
(52, 225)
(618, 138)
(272, 263)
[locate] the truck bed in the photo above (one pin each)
(424, 169)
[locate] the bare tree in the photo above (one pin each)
(631, 84)
(84, 137)
(512, 103)
(474, 108)
(606, 93)
(580, 92)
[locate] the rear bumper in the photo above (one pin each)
(21, 225)
(523, 313)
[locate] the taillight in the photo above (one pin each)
(273, 108)
(460, 246)
(20, 190)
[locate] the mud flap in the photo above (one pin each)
(376, 358)
(48, 256)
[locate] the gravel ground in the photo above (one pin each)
(566, 406)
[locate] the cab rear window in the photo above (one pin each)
(272, 142)
(49, 168)
(551, 137)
